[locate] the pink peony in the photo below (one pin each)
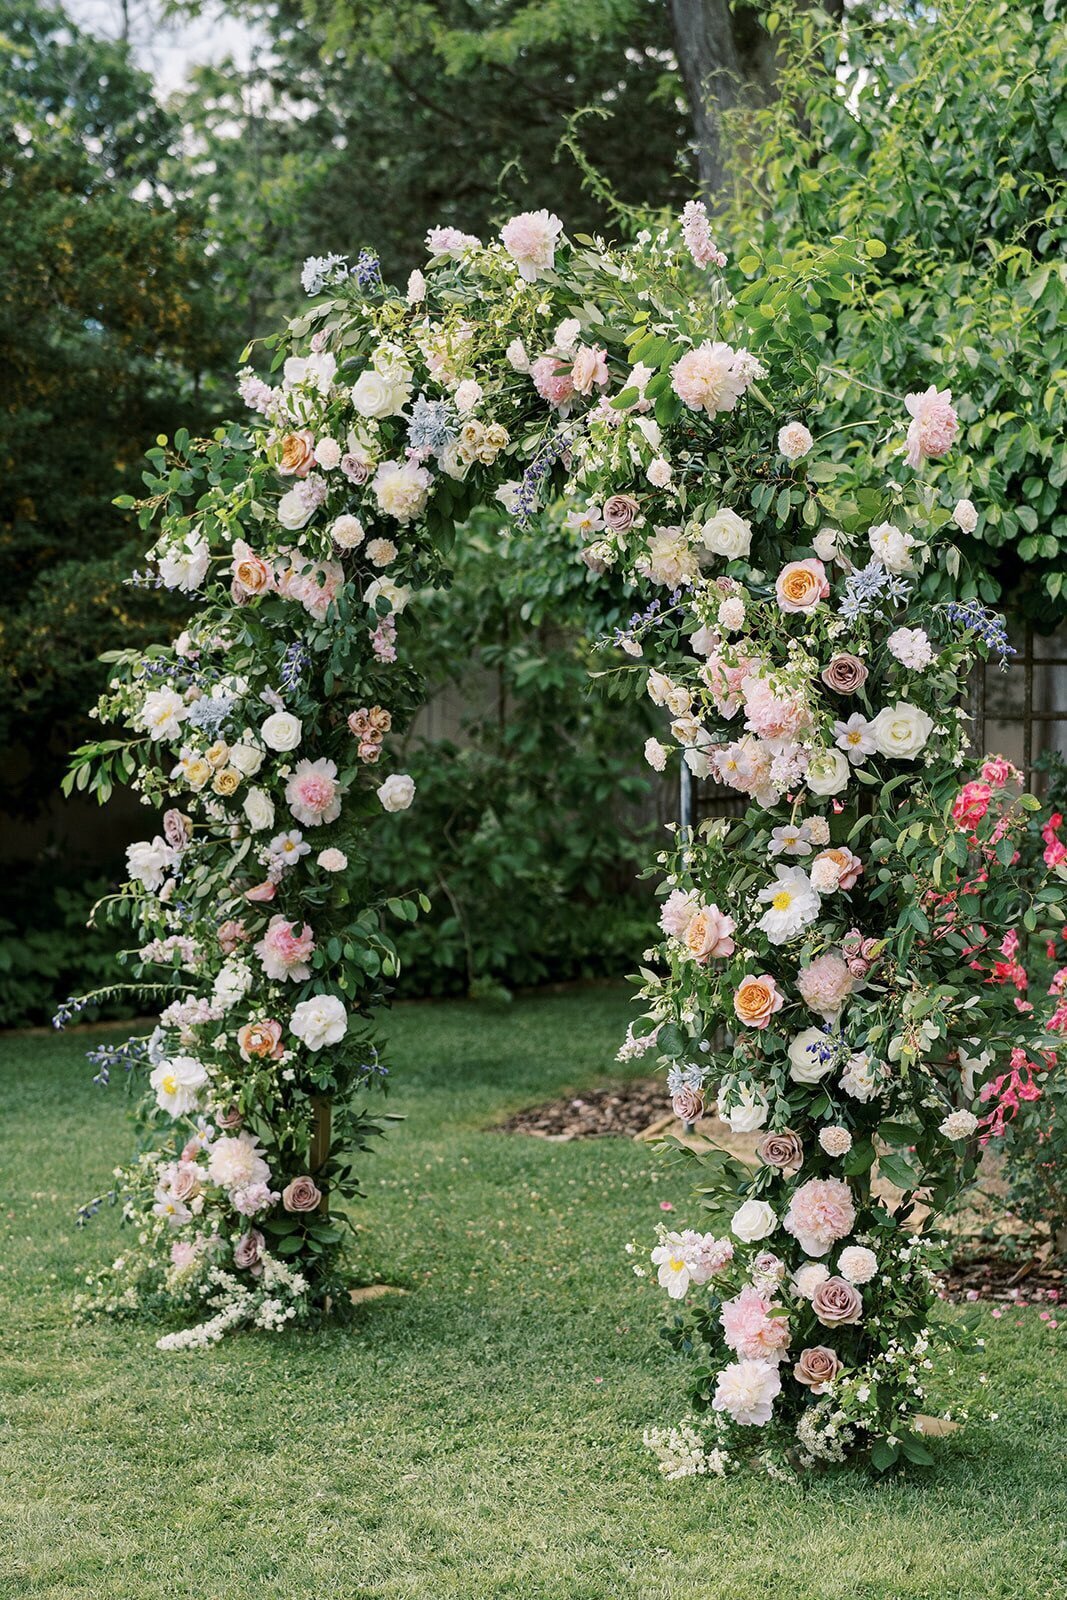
(750, 1330)
(678, 910)
(284, 952)
(313, 794)
(552, 380)
(709, 378)
(825, 985)
(820, 1212)
(933, 427)
(530, 240)
(771, 715)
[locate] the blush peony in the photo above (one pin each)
(820, 1212)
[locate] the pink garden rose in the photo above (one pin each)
(261, 1040)
(231, 934)
(971, 805)
(707, 934)
(749, 1329)
(262, 893)
(590, 369)
(997, 770)
(284, 951)
(820, 1212)
(933, 427)
(801, 585)
(826, 984)
(313, 794)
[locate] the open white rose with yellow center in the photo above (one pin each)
(792, 905)
(177, 1083)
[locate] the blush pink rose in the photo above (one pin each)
(817, 1368)
(707, 934)
(284, 950)
(590, 369)
(303, 1194)
(837, 1303)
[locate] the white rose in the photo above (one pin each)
(825, 543)
(518, 360)
(259, 809)
(294, 511)
(281, 731)
(753, 1220)
(397, 792)
(651, 430)
(395, 593)
(891, 547)
(807, 1064)
(965, 516)
(567, 333)
(901, 731)
(246, 758)
(373, 395)
(416, 287)
(332, 860)
(794, 441)
(827, 773)
(959, 1125)
(320, 1021)
(748, 1111)
(727, 534)
(659, 473)
(655, 754)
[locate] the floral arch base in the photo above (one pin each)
(808, 630)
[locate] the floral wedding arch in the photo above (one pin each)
(807, 630)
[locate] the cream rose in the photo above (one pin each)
(259, 809)
(281, 731)
(901, 731)
(828, 772)
(810, 1059)
(397, 792)
(727, 534)
(753, 1220)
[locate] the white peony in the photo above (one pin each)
(911, 647)
(237, 1163)
(809, 1056)
(319, 1021)
(148, 863)
(332, 860)
(328, 454)
(162, 713)
(727, 534)
(753, 1220)
(828, 772)
(746, 1390)
(659, 473)
(901, 731)
(185, 567)
(792, 905)
(401, 489)
(794, 441)
(259, 809)
(860, 1078)
(467, 396)
(281, 731)
(891, 547)
(530, 240)
(177, 1083)
(397, 792)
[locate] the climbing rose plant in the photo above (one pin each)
(798, 628)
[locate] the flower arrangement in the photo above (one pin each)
(807, 643)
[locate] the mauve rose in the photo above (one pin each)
(858, 967)
(845, 674)
(186, 1181)
(781, 1149)
(837, 1303)
(176, 829)
(229, 1119)
(619, 512)
(817, 1367)
(247, 1250)
(301, 1195)
(687, 1104)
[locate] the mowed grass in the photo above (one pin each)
(479, 1436)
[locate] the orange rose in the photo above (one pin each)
(756, 1000)
(298, 455)
(251, 575)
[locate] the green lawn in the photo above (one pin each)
(479, 1436)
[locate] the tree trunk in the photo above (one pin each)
(727, 59)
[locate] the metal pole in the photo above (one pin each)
(685, 799)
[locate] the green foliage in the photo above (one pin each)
(50, 951)
(940, 136)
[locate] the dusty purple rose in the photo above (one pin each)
(619, 512)
(303, 1194)
(852, 943)
(858, 967)
(248, 1249)
(229, 1119)
(836, 1303)
(781, 1149)
(176, 829)
(687, 1104)
(845, 674)
(817, 1367)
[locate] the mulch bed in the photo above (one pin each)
(631, 1109)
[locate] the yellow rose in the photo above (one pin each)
(226, 781)
(196, 772)
(218, 755)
